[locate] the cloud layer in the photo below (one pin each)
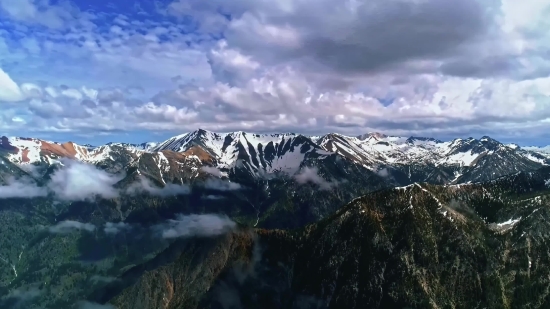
(77, 181)
(432, 67)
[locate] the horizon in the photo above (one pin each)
(134, 139)
(141, 70)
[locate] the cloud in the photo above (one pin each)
(220, 185)
(17, 297)
(424, 68)
(68, 226)
(80, 181)
(9, 90)
(311, 175)
(196, 225)
(115, 228)
(21, 188)
(145, 186)
(383, 172)
(213, 171)
(75, 181)
(35, 12)
(102, 279)
(214, 197)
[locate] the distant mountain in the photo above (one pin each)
(403, 160)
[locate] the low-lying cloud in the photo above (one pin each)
(221, 185)
(196, 225)
(311, 175)
(383, 172)
(21, 188)
(212, 171)
(102, 279)
(18, 297)
(65, 227)
(80, 181)
(115, 228)
(146, 186)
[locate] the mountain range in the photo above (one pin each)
(274, 221)
(402, 160)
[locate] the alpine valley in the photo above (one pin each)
(243, 220)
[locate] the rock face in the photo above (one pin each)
(420, 246)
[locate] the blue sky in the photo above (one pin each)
(101, 71)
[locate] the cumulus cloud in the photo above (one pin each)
(426, 68)
(21, 188)
(79, 181)
(196, 225)
(115, 228)
(311, 175)
(146, 186)
(68, 226)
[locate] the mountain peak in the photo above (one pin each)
(376, 135)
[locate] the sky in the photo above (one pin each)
(136, 71)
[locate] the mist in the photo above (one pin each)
(212, 171)
(115, 228)
(311, 175)
(21, 188)
(76, 181)
(146, 186)
(65, 227)
(18, 297)
(383, 172)
(196, 225)
(221, 185)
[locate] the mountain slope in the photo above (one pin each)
(420, 246)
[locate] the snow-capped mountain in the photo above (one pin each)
(257, 152)
(401, 159)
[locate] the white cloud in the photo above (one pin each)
(213, 171)
(220, 185)
(146, 186)
(9, 90)
(21, 188)
(68, 226)
(115, 228)
(31, 11)
(383, 172)
(17, 297)
(311, 175)
(80, 181)
(196, 225)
